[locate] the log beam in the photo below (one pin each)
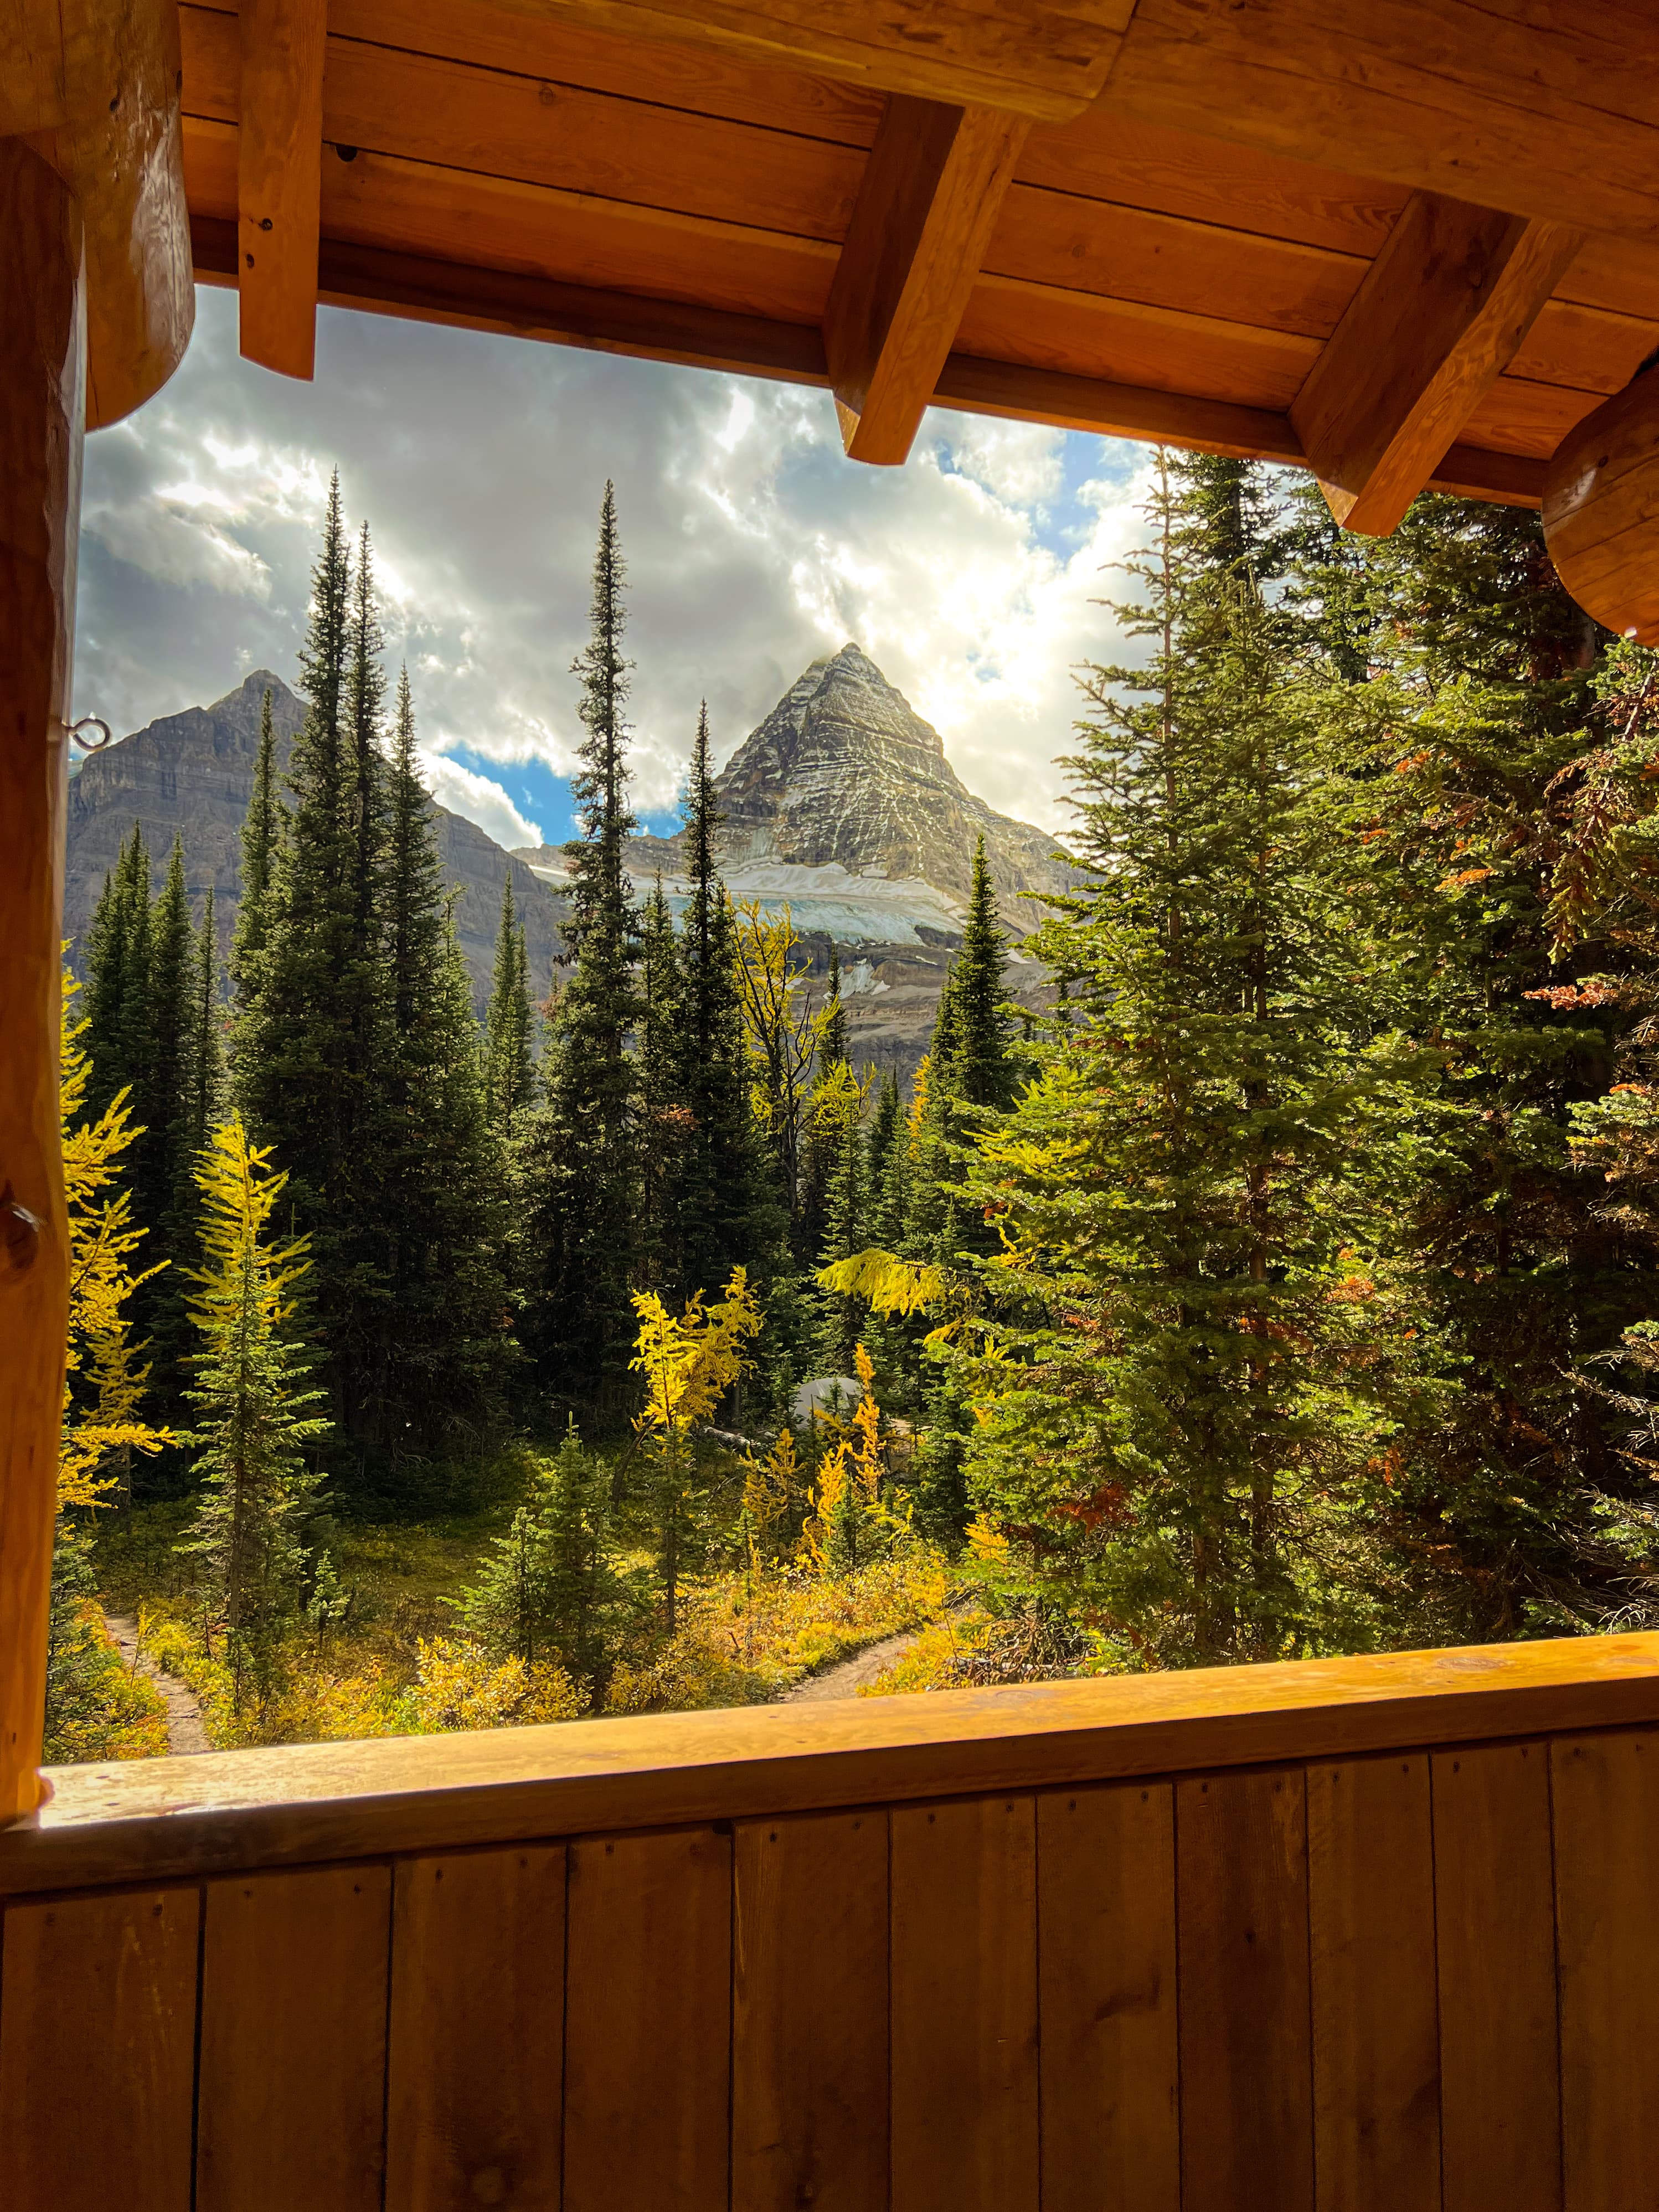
(42, 393)
(1439, 314)
(924, 216)
(96, 83)
(1044, 58)
(280, 181)
(1601, 511)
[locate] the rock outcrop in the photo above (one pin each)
(193, 772)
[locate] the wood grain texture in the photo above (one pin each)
(292, 2076)
(648, 2013)
(809, 2026)
(1033, 57)
(317, 1802)
(1246, 2063)
(111, 131)
(1549, 112)
(1110, 2057)
(42, 390)
(1495, 1937)
(279, 181)
(1602, 512)
(965, 2093)
(477, 2035)
(98, 2050)
(1605, 1793)
(1441, 313)
(925, 209)
(1372, 1944)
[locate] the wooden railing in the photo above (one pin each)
(1369, 1935)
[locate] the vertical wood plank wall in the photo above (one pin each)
(1413, 1982)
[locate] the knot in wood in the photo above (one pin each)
(19, 1234)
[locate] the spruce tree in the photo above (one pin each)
(728, 1214)
(308, 1045)
(581, 1161)
(979, 1069)
(845, 1231)
(510, 1058)
(447, 1351)
(117, 1007)
(205, 1096)
(262, 830)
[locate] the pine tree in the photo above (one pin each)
(832, 1018)
(509, 1059)
(447, 1351)
(727, 1216)
(262, 830)
(845, 1232)
(580, 1157)
(1204, 1337)
(118, 977)
(312, 1047)
(979, 1071)
(162, 1099)
(252, 1432)
(206, 1097)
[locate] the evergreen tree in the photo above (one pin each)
(977, 1067)
(163, 1100)
(832, 1018)
(206, 1097)
(447, 1348)
(727, 1215)
(118, 977)
(664, 1120)
(311, 1047)
(1205, 1342)
(845, 1232)
(262, 830)
(509, 1059)
(581, 1157)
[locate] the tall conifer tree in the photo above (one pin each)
(581, 1158)
(510, 1058)
(262, 830)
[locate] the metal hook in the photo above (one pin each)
(91, 722)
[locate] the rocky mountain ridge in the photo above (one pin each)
(193, 772)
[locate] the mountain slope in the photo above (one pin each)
(194, 772)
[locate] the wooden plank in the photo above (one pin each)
(704, 81)
(1441, 313)
(1046, 57)
(964, 2111)
(648, 2013)
(98, 2052)
(1551, 112)
(1495, 1937)
(1519, 416)
(292, 2053)
(1375, 2035)
(42, 393)
(1111, 2060)
(1246, 2063)
(1605, 1791)
(279, 181)
(488, 122)
(306, 1803)
(477, 2031)
(1020, 394)
(925, 209)
(488, 222)
(810, 2030)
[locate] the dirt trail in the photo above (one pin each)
(848, 1677)
(184, 1729)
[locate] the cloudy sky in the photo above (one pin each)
(479, 462)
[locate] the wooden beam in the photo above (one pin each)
(42, 394)
(100, 78)
(1551, 112)
(924, 216)
(1044, 59)
(1602, 512)
(279, 181)
(1437, 317)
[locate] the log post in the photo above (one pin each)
(42, 399)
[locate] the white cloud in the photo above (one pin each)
(753, 546)
(463, 792)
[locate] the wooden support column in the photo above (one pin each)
(1439, 314)
(923, 218)
(280, 181)
(42, 397)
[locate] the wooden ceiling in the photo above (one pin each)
(1407, 241)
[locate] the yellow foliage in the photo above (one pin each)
(887, 1284)
(125, 1718)
(771, 1484)
(240, 1193)
(458, 1685)
(102, 1239)
(690, 1361)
